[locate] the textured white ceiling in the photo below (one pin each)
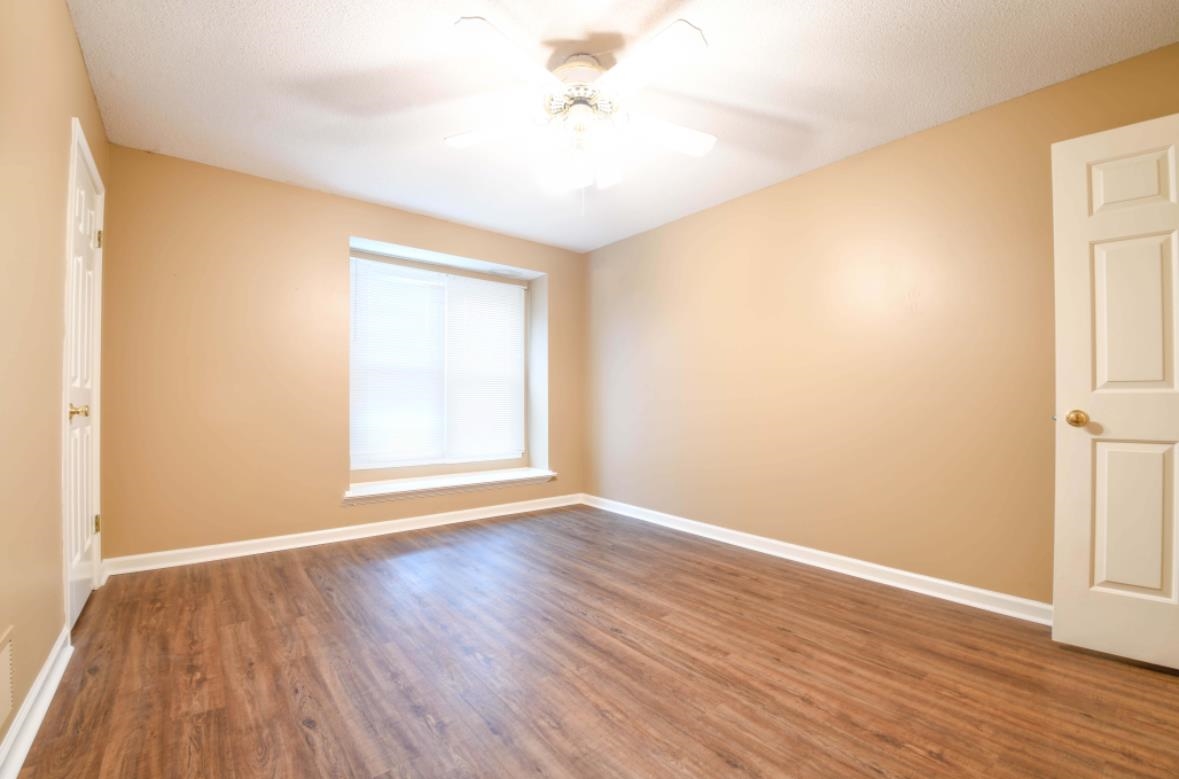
(355, 96)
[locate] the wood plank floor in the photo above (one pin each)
(577, 643)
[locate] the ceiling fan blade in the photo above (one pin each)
(677, 42)
(676, 137)
(480, 35)
(517, 126)
(466, 140)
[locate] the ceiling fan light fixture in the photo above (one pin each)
(579, 119)
(579, 69)
(585, 126)
(582, 117)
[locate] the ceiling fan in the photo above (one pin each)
(583, 120)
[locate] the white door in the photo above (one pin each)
(83, 298)
(1116, 208)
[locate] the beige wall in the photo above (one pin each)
(42, 84)
(860, 359)
(225, 364)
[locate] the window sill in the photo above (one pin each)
(395, 489)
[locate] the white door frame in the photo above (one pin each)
(79, 152)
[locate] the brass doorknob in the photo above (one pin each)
(1077, 418)
(79, 411)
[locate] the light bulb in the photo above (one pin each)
(580, 118)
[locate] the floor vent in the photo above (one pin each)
(6, 683)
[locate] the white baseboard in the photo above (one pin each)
(203, 554)
(998, 602)
(32, 710)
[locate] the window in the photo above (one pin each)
(437, 367)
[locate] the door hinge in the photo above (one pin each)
(98, 239)
(97, 523)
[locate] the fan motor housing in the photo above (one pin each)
(578, 73)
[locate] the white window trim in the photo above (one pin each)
(392, 465)
(418, 486)
(537, 443)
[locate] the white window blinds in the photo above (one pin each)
(437, 367)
